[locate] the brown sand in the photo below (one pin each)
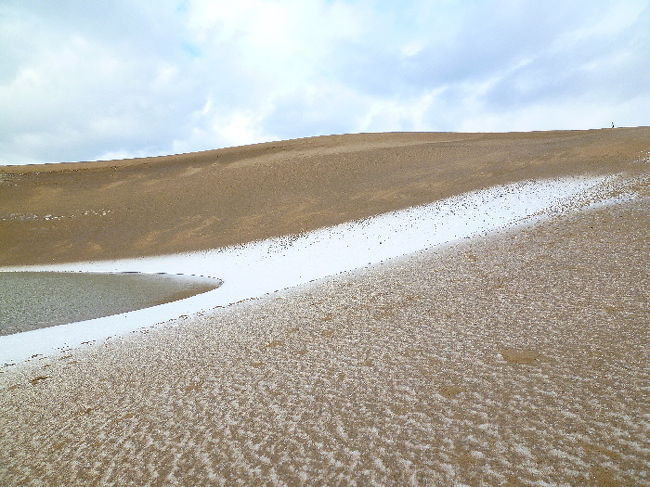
(516, 359)
(56, 213)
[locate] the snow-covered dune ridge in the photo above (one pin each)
(262, 267)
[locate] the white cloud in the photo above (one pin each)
(82, 81)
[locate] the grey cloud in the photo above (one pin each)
(79, 80)
(554, 75)
(477, 43)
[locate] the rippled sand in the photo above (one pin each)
(516, 359)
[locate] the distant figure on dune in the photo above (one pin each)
(612, 124)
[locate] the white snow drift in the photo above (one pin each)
(257, 268)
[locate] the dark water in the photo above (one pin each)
(31, 300)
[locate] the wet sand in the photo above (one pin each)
(516, 359)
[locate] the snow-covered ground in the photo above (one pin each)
(262, 267)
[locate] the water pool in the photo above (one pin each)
(32, 300)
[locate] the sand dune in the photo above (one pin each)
(117, 209)
(254, 269)
(512, 358)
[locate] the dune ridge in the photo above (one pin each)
(153, 206)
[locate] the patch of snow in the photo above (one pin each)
(258, 268)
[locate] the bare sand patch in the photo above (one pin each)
(522, 356)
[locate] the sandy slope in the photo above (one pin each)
(257, 268)
(57, 213)
(518, 359)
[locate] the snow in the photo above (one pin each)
(262, 267)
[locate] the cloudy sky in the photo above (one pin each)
(86, 80)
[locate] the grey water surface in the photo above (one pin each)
(31, 300)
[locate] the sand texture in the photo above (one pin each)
(516, 359)
(105, 210)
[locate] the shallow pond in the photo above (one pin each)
(31, 300)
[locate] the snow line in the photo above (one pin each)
(262, 267)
